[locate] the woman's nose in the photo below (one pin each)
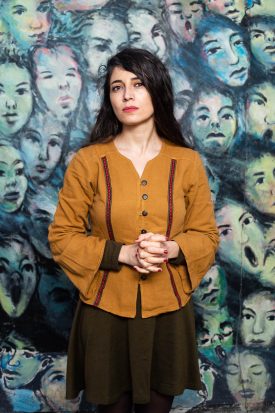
(36, 23)
(64, 85)
(128, 94)
(11, 104)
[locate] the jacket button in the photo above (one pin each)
(143, 231)
(145, 196)
(143, 277)
(144, 213)
(144, 182)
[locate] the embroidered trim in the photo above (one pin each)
(109, 226)
(170, 221)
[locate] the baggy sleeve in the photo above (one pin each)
(199, 239)
(78, 253)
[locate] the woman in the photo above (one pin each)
(153, 238)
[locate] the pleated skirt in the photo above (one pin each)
(109, 355)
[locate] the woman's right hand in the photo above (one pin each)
(129, 255)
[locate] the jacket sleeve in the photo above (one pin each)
(199, 239)
(78, 253)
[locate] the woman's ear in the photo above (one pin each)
(45, 362)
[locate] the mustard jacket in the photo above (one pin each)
(172, 197)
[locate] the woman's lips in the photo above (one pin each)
(12, 196)
(129, 109)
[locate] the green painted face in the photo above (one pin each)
(18, 276)
(16, 99)
(213, 123)
(260, 111)
(19, 360)
(262, 43)
(258, 320)
(260, 184)
(13, 182)
(233, 10)
(247, 379)
(212, 290)
(208, 376)
(262, 8)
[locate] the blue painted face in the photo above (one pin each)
(226, 55)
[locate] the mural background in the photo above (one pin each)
(221, 56)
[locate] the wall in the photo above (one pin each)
(221, 56)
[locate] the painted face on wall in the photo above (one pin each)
(53, 387)
(56, 294)
(258, 320)
(260, 111)
(18, 276)
(212, 290)
(261, 7)
(13, 182)
(213, 123)
(145, 32)
(19, 360)
(215, 339)
(208, 376)
(267, 276)
(241, 238)
(80, 5)
(16, 99)
(58, 80)
(183, 17)
(234, 9)
(41, 144)
(247, 379)
(225, 53)
(262, 43)
(102, 39)
(260, 184)
(28, 20)
(41, 209)
(182, 93)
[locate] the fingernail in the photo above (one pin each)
(167, 238)
(165, 251)
(159, 270)
(165, 260)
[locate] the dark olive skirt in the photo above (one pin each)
(109, 355)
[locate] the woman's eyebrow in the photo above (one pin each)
(254, 92)
(202, 108)
(249, 309)
(210, 41)
(234, 35)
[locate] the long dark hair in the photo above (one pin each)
(152, 72)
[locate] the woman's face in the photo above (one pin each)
(262, 43)
(260, 184)
(234, 10)
(58, 80)
(16, 99)
(212, 290)
(247, 379)
(260, 111)
(261, 8)
(225, 53)
(241, 238)
(19, 360)
(145, 32)
(268, 274)
(215, 338)
(41, 144)
(28, 20)
(130, 99)
(213, 123)
(18, 276)
(13, 182)
(102, 39)
(79, 5)
(53, 387)
(258, 320)
(182, 93)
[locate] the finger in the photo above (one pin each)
(147, 244)
(155, 251)
(155, 260)
(141, 270)
(144, 236)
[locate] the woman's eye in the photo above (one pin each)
(260, 180)
(28, 354)
(259, 102)
(70, 74)
(256, 35)
(44, 7)
(247, 316)
(22, 91)
(238, 42)
(19, 11)
(225, 232)
(213, 50)
(32, 138)
(139, 84)
(271, 317)
(49, 76)
(116, 88)
(19, 171)
(227, 116)
(203, 117)
(195, 10)
(101, 48)
(257, 373)
(27, 268)
(248, 220)
(2, 173)
(53, 143)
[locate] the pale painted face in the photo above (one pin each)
(241, 238)
(53, 387)
(145, 32)
(213, 123)
(260, 184)
(28, 20)
(19, 361)
(260, 111)
(13, 182)
(79, 5)
(102, 39)
(247, 379)
(234, 9)
(16, 99)
(212, 290)
(58, 80)
(216, 336)
(258, 320)
(225, 53)
(262, 43)
(18, 276)
(267, 276)
(261, 8)
(41, 144)
(130, 99)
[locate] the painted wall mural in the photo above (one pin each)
(221, 56)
